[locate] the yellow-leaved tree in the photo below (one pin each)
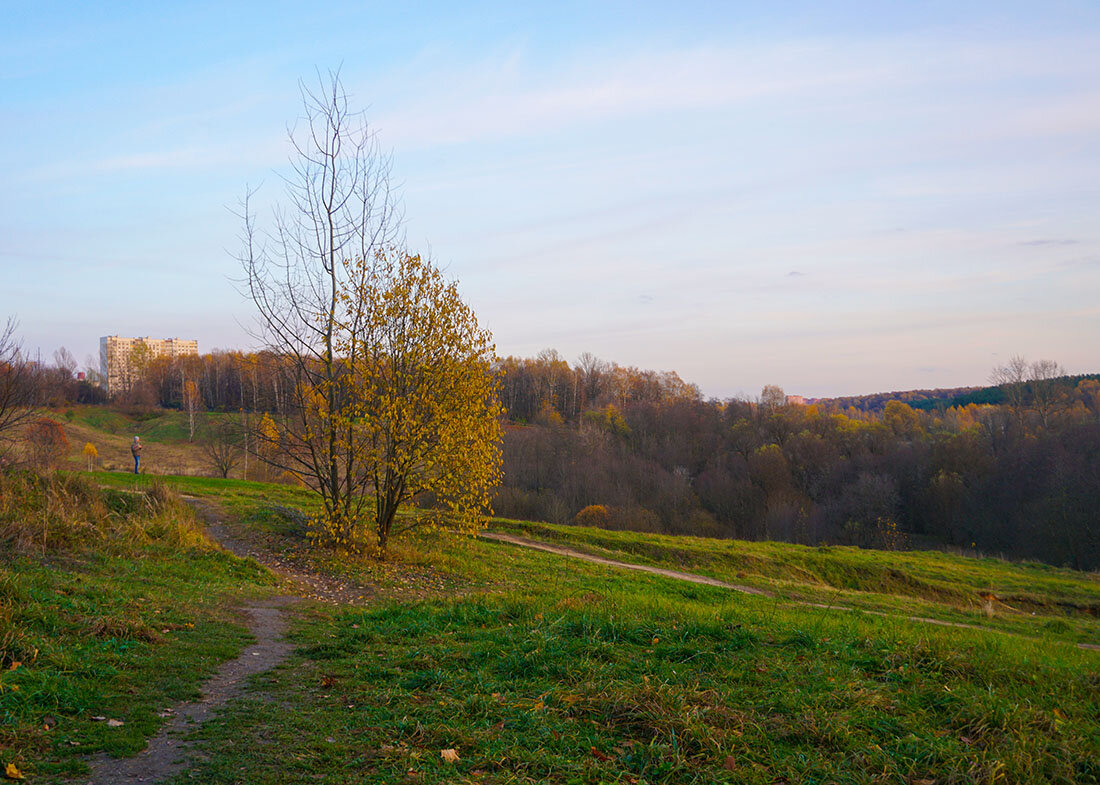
(427, 417)
(91, 453)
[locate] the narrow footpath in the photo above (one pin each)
(562, 550)
(166, 753)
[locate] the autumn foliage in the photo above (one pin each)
(426, 415)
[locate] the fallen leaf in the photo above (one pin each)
(115, 723)
(49, 722)
(730, 763)
(13, 773)
(449, 756)
(655, 641)
(600, 756)
(15, 664)
(98, 718)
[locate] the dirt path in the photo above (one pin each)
(562, 550)
(166, 753)
(693, 578)
(301, 581)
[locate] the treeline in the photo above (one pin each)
(614, 446)
(918, 399)
(1000, 479)
(531, 389)
(941, 398)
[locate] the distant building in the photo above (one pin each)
(120, 358)
(796, 400)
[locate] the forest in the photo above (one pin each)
(596, 443)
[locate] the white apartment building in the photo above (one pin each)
(116, 356)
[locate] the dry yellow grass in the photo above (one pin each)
(114, 453)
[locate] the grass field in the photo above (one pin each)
(1029, 598)
(533, 667)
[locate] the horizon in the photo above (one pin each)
(837, 201)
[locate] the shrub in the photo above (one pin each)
(47, 443)
(637, 519)
(594, 515)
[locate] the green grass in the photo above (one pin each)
(538, 668)
(547, 670)
(122, 618)
(161, 426)
(1032, 599)
(238, 496)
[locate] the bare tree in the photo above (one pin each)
(772, 397)
(1012, 379)
(221, 443)
(340, 209)
(63, 360)
(18, 386)
(1047, 395)
(192, 400)
(1031, 385)
(593, 373)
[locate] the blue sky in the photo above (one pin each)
(839, 199)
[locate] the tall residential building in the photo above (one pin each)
(118, 355)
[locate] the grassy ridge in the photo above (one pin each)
(1029, 598)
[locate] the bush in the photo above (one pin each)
(47, 443)
(636, 519)
(594, 515)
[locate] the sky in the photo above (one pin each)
(837, 198)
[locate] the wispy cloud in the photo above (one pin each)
(508, 94)
(1042, 243)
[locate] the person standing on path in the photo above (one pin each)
(135, 450)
